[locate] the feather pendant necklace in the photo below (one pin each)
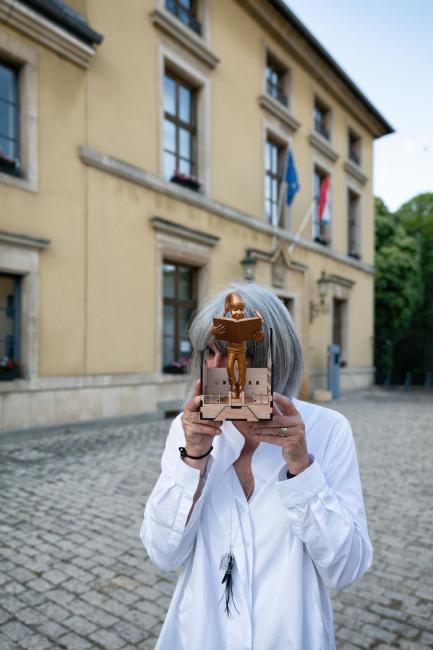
(228, 560)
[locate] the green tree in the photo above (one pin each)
(398, 287)
(417, 350)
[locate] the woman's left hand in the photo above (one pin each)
(288, 423)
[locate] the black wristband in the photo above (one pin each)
(185, 455)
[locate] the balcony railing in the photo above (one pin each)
(354, 157)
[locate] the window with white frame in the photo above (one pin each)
(354, 147)
(10, 326)
(180, 131)
(274, 161)
(322, 206)
(179, 302)
(322, 119)
(9, 119)
(187, 12)
(277, 80)
(353, 224)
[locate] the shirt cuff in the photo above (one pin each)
(297, 491)
(188, 477)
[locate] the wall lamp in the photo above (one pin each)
(320, 307)
(249, 266)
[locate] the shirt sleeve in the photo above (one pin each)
(165, 534)
(326, 511)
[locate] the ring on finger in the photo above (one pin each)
(283, 432)
(190, 416)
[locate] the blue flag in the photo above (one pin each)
(291, 179)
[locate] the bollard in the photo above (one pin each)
(408, 381)
(428, 380)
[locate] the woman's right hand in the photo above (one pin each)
(199, 434)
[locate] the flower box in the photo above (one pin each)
(191, 182)
(9, 369)
(7, 162)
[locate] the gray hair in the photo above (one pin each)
(287, 354)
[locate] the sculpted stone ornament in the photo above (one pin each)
(237, 392)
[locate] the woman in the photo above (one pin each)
(278, 502)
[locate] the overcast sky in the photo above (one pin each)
(386, 47)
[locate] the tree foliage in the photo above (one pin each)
(404, 289)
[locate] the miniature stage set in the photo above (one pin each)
(236, 392)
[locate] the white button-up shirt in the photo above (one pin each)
(292, 541)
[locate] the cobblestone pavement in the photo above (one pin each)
(73, 573)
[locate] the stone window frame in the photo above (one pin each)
(19, 256)
(171, 58)
(202, 14)
(18, 53)
(180, 249)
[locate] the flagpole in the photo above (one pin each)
(301, 227)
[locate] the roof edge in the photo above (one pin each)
(291, 17)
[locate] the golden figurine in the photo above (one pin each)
(236, 331)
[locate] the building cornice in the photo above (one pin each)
(324, 147)
(298, 41)
(21, 17)
(168, 23)
(23, 240)
(172, 228)
(355, 171)
(278, 110)
(139, 176)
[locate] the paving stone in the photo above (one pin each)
(16, 631)
(108, 640)
(74, 642)
(36, 642)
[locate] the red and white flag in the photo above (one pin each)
(325, 201)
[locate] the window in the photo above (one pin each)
(354, 147)
(10, 317)
(179, 302)
(180, 132)
(186, 12)
(353, 224)
(322, 119)
(276, 80)
(273, 174)
(322, 207)
(9, 119)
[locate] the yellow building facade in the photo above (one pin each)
(143, 152)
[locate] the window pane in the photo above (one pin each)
(185, 284)
(185, 104)
(274, 159)
(185, 143)
(185, 3)
(169, 271)
(7, 120)
(169, 165)
(267, 187)
(184, 318)
(169, 95)
(268, 156)
(169, 136)
(184, 347)
(7, 148)
(183, 15)
(7, 84)
(274, 190)
(185, 166)
(168, 320)
(168, 351)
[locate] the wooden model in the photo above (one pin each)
(236, 392)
